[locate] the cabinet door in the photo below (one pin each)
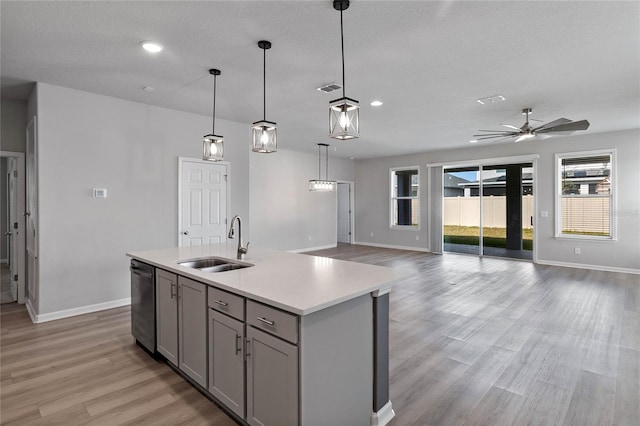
(226, 361)
(167, 315)
(272, 380)
(192, 323)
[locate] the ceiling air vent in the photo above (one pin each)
(328, 88)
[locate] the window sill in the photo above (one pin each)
(586, 238)
(404, 228)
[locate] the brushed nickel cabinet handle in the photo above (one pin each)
(221, 303)
(266, 321)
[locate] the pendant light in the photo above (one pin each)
(264, 133)
(213, 145)
(344, 113)
(323, 185)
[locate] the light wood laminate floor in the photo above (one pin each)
(473, 341)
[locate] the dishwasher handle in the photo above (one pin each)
(138, 271)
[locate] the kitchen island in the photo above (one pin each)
(288, 339)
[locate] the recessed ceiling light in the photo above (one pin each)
(491, 100)
(376, 103)
(473, 141)
(151, 46)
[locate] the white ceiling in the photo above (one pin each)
(428, 61)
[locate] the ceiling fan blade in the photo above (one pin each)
(567, 127)
(497, 136)
(553, 123)
(510, 126)
(495, 131)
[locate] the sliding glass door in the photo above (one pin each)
(461, 210)
(488, 210)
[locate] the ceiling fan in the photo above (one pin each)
(562, 126)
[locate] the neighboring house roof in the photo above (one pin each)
(451, 181)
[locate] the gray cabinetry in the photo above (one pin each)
(167, 315)
(272, 378)
(192, 331)
(226, 361)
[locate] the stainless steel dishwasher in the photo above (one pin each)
(143, 305)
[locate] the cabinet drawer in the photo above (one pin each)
(274, 321)
(226, 303)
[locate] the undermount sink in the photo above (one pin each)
(213, 264)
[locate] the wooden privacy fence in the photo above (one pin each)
(465, 211)
(579, 214)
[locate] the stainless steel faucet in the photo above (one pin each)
(232, 233)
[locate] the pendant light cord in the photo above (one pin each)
(319, 162)
(326, 170)
(342, 45)
(264, 84)
(213, 127)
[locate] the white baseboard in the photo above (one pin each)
(383, 416)
(31, 311)
(303, 250)
(390, 246)
(586, 266)
(38, 318)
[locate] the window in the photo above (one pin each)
(405, 198)
(585, 195)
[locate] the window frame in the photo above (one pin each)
(612, 237)
(393, 200)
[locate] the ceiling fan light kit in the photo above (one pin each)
(213, 145)
(344, 113)
(264, 134)
(561, 126)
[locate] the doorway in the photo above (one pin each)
(488, 210)
(12, 252)
(344, 195)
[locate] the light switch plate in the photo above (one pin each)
(544, 213)
(99, 193)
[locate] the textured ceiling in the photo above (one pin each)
(428, 62)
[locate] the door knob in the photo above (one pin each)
(7, 233)
(185, 233)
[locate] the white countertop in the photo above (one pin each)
(297, 283)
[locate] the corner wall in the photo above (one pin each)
(372, 198)
(90, 141)
(285, 215)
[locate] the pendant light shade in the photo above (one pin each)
(323, 185)
(344, 113)
(213, 145)
(264, 134)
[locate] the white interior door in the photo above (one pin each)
(344, 213)
(203, 202)
(31, 213)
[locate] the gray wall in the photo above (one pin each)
(90, 141)
(87, 141)
(372, 197)
(284, 213)
(14, 122)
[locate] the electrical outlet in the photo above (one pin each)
(417, 237)
(309, 237)
(544, 213)
(372, 234)
(576, 250)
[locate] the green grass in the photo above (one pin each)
(492, 237)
